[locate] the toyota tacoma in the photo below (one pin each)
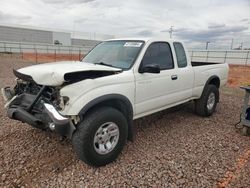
(94, 101)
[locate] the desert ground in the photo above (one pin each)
(172, 148)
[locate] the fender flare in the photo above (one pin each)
(118, 97)
(209, 80)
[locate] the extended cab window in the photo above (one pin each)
(180, 55)
(159, 53)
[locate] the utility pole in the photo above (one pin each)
(207, 44)
(232, 44)
(171, 31)
(241, 46)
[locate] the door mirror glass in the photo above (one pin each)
(150, 68)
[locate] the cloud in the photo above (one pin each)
(145, 33)
(245, 20)
(82, 20)
(66, 2)
(212, 33)
(5, 17)
(215, 26)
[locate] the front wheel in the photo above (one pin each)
(101, 136)
(206, 104)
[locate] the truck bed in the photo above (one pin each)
(204, 70)
(197, 63)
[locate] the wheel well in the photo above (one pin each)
(122, 106)
(215, 81)
(117, 104)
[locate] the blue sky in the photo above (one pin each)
(194, 21)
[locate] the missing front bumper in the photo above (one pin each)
(49, 117)
(25, 117)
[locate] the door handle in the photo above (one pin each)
(174, 77)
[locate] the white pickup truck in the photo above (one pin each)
(94, 101)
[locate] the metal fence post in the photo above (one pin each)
(55, 55)
(207, 56)
(247, 58)
(4, 45)
(192, 53)
(20, 47)
(225, 58)
(71, 55)
(79, 54)
(36, 55)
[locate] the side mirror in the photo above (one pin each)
(150, 68)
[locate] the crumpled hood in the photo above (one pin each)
(53, 74)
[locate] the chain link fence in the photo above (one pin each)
(43, 52)
(235, 57)
(48, 52)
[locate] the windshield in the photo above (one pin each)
(120, 54)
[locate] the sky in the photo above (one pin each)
(194, 21)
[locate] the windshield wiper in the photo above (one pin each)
(102, 63)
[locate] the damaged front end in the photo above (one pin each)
(37, 105)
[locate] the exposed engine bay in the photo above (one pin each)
(37, 105)
(36, 100)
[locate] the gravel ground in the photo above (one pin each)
(173, 148)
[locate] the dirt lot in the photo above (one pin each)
(173, 148)
(46, 57)
(239, 75)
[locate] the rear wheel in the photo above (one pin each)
(206, 104)
(101, 136)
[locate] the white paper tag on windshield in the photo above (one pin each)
(133, 44)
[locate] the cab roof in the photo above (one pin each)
(165, 39)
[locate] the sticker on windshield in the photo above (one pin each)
(133, 44)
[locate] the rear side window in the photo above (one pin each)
(159, 53)
(180, 55)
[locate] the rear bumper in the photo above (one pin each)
(49, 118)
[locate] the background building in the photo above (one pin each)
(28, 34)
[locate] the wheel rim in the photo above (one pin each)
(211, 101)
(106, 138)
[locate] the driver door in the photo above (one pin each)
(156, 90)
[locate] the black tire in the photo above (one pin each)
(83, 138)
(201, 107)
